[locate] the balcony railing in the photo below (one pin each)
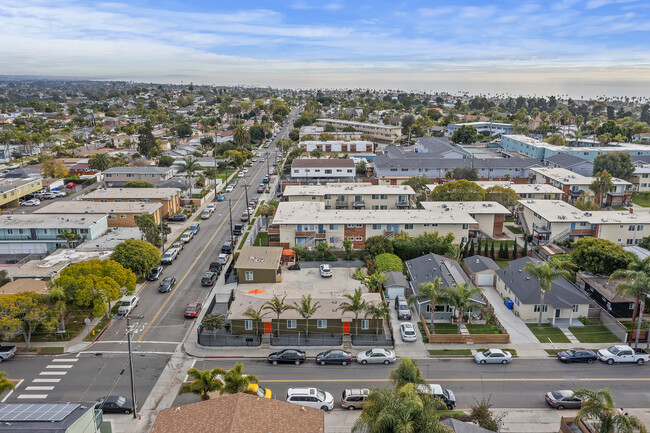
(359, 203)
(403, 203)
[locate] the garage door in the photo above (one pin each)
(485, 279)
(394, 291)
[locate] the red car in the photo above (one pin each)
(193, 309)
(71, 185)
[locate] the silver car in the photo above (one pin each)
(376, 356)
(493, 356)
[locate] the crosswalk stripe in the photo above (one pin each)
(24, 396)
(59, 366)
(52, 373)
(37, 380)
(39, 388)
(65, 360)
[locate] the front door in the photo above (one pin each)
(267, 327)
(557, 313)
(346, 327)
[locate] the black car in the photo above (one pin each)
(237, 229)
(167, 285)
(155, 273)
(215, 267)
(577, 355)
(335, 356)
(181, 217)
(209, 278)
(114, 404)
(287, 356)
(226, 248)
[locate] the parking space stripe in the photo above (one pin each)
(39, 388)
(59, 366)
(65, 360)
(52, 373)
(37, 380)
(32, 396)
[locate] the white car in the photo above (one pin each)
(60, 193)
(211, 207)
(206, 214)
(32, 202)
(245, 171)
(222, 259)
(186, 237)
(493, 356)
(240, 174)
(311, 397)
(229, 188)
(127, 304)
(376, 356)
(325, 270)
(407, 332)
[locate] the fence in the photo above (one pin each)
(373, 340)
(460, 338)
(211, 338)
(613, 325)
(313, 340)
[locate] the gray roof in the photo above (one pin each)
(566, 160)
(395, 279)
(421, 160)
(47, 426)
(463, 427)
(562, 295)
(437, 145)
(138, 170)
(478, 263)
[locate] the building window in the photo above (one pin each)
(384, 196)
(630, 228)
(122, 216)
(639, 228)
(365, 324)
(350, 238)
(383, 207)
(358, 239)
(328, 171)
(575, 308)
(465, 226)
(408, 226)
(536, 309)
(321, 324)
(112, 217)
(10, 231)
(248, 325)
(376, 226)
(631, 306)
(350, 226)
(630, 242)
(248, 275)
(292, 324)
(327, 196)
(334, 226)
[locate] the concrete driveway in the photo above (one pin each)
(519, 332)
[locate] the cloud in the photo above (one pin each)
(594, 4)
(327, 6)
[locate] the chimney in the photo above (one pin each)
(631, 209)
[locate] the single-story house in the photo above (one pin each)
(24, 285)
(482, 270)
(563, 305)
(395, 285)
(259, 265)
(603, 292)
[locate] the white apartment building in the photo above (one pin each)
(536, 191)
(484, 128)
(380, 133)
(353, 195)
(356, 146)
(489, 215)
(313, 168)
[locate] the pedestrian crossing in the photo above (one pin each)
(47, 379)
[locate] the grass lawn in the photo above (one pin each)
(48, 350)
(450, 352)
(515, 230)
(594, 333)
(241, 244)
(483, 329)
(510, 219)
(553, 352)
(262, 239)
(546, 332)
(619, 208)
(513, 352)
(446, 328)
(641, 199)
(503, 263)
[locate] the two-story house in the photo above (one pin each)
(168, 197)
(116, 177)
(379, 132)
(119, 214)
(313, 168)
(12, 190)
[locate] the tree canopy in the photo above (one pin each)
(389, 262)
(406, 247)
(504, 196)
(22, 313)
(618, 164)
(467, 173)
(138, 256)
(137, 184)
(465, 134)
(599, 256)
(458, 190)
(150, 230)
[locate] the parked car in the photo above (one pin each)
(354, 398)
(211, 207)
(577, 355)
(186, 237)
(195, 228)
(209, 278)
(226, 248)
(48, 196)
(244, 217)
(407, 332)
(325, 270)
(222, 197)
(622, 353)
(334, 356)
(178, 246)
(127, 304)
(259, 391)
(178, 218)
(240, 174)
(70, 185)
(238, 229)
(167, 258)
(32, 202)
(222, 259)
(229, 188)
(215, 267)
(563, 399)
(193, 309)
(435, 390)
(402, 307)
(167, 284)
(60, 193)
(7, 352)
(311, 397)
(115, 404)
(376, 356)
(287, 356)
(155, 273)
(262, 159)
(261, 188)
(266, 179)
(493, 356)
(206, 214)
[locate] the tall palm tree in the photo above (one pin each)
(100, 161)
(431, 292)
(637, 282)
(355, 305)
(460, 297)
(544, 274)
(5, 384)
(68, 237)
(602, 185)
(599, 406)
(256, 316)
(234, 380)
(241, 136)
(306, 309)
(277, 306)
(376, 312)
(190, 166)
(204, 382)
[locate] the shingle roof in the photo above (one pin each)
(478, 263)
(437, 145)
(421, 160)
(566, 160)
(463, 427)
(395, 279)
(562, 295)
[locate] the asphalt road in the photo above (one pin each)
(521, 384)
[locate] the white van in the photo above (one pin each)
(311, 397)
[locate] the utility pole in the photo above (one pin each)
(129, 332)
(246, 192)
(230, 212)
(216, 143)
(162, 237)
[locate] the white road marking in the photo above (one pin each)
(12, 391)
(187, 376)
(37, 380)
(39, 388)
(52, 373)
(65, 360)
(35, 396)
(58, 366)
(139, 342)
(117, 352)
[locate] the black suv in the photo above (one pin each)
(209, 278)
(227, 247)
(237, 230)
(155, 273)
(215, 267)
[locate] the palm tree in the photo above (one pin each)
(599, 406)
(277, 306)
(602, 185)
(5, 384)
(67, 236)
(637, 282)
(190, 166)
(241, 136)
(429, 292)
(306, 309)
(100, 161)
(376, 312)
(204, 382)
(544, 274)
(460, 297)
(256, 316)
(355, 305)
(234, 380)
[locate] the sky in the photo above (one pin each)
(579, 48)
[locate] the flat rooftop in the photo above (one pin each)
(353, 123)
(8, 184)
(252, 257)
(91, 207)
(565, 176)
(43, 221)
(133, 193)
(138, 170)
(55, 262)
(523, 188)
(613, 147)
(470, 207)
(110, 239)
(322, 163)
(346, 188)
(560, 211)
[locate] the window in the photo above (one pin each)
(639, 228)
(575, 308)
(365, 324)
(112, 217)
(376, 226)
(248, 276)
(292, 324)
(349, 170)
(317, 170)
(375, 207)
(631, 306)
(465, 226)
(338, 170)
(122, 216)
(431, 225)
(350, 238)
(334, 226)
(630, 228)
(296, 171)
(384, 196)
(630, 242)
(536, 309)
(321, 324)
(10, 231)
(248, 325)
(408, 226)
(375, 196)
(327, 196)
(358, 239)
(328, 171)
(350, 226)
(130, 175)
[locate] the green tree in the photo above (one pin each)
(190, 166)
(376, 245)
(618, 164)
(492, 251)
(460, 297)
(600, 409)
(612, 129)
(506, 197)
(67, 236)
(213, 321)
(294, 134)
(602, 185)
(138, 184)
(407, 122)
(406, 372)
(376, 312)
(431, 292)
(545, 275)
(150, 230)
(100, 161)
(458, 190)
(419, 185)
(146, 141)
(389, 262)
(600, 256)
(316, 153)
(306, 308)
(637, 284)
(165, 161)
(355, 304)
(4, 279)
(51, 167)
(241, 137)
(183, 130)
(467, 173)
(256, 316)
(95, 283)
(204, 382)
(556, 139)
(235, 381)
(139, 256)
(465, 134)
(349, 250)
(277, 306)
(5, 383)
(22, 313)
(586, 202)
(407, 247)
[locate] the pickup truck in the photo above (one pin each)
(7, 352)
(622, 353)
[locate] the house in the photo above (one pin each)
(534, 191)
(641, 178)
(379, 132)
(491, 129)
(12, 190)
(395, 285)
(353, 195)
(313, 168)
(259, 265)
(563, 304)
(482, 270)
(352, 146)
(168, 197)
(116, 177)
(425, 269)
(240, 413)
(439, 146)
(316, 131)
(77, 417)
(603, 292)
(25, 285)
(572, 163)
(119, 214)
(123, 140)
(489, 215)
(40, 233)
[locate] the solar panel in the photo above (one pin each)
(36, 412)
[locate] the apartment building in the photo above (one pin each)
(119, 214)
(122, 140)
(315, 132)
(168, 197)
(490, 129)
(574, 185)
(489, 215)
(12, 190)
(641, 179)
(115, 177)
(314, 168)
(307, 223)
(353, 195)
(380, 133)
(572, 163)
(39, 234)
(536, 191)
(355, 146)
(555, 220)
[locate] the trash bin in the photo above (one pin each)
(509, 304)
(505, 300)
